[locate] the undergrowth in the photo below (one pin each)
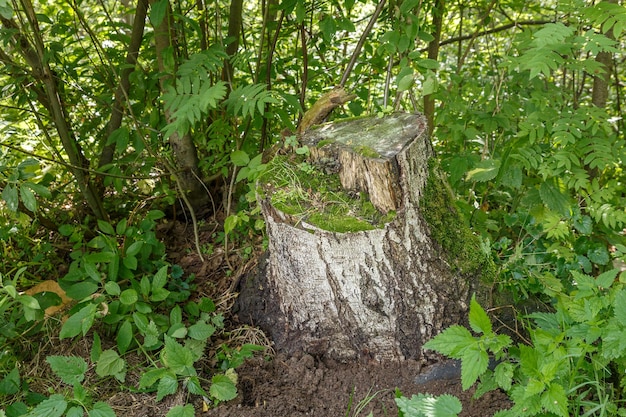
(572, 365)
(128, 301)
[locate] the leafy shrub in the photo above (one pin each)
(574, 362)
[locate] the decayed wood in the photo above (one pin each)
(376, 294)
(323, 107)
(365, 151)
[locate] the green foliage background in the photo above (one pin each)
(105, 122)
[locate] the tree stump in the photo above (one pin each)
(379, 293)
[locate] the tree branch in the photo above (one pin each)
(359, 45)
(121, 93)
(494, 30)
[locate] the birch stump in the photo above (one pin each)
(379, 293)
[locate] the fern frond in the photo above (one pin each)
(249, 99)
(194, 93)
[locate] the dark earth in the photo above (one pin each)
(271, 384)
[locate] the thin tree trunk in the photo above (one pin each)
(53, 102)
(433, 53)
(234, 28)
(183, 147)
(121, 94)
(600, 91)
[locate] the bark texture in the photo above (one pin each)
(375, 294)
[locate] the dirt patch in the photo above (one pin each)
(304, 386)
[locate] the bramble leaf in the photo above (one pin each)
(167, 385)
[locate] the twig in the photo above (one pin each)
(359, 45)
(192, 213)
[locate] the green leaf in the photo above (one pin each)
(478, 318)
(201, 331)
(239, 158)
(75, 411)
(177, 331)
(473, 364)
(452, 341)
(39, 189)
(112, 288)
(10, 196)
(159, 294)
(130, 262)
(181, 411)
(430, 84)
(176, 315)
(193, 386)
(134, 248)
(28, 198)
(485, 170)
(106, 228)
(79, 321)
(150, 378)
(158, 10)
(54, 406)
(599, 255)
(110, 364)
(124, 336)
(144, 286)
(70, 369)
(160, 278)
(167, 385)
(207, 305)
(151, 336)
(129, 297)
(504, 375)
(29, 301)
(10, 384)
(583, 224)
(554, 199)
(222, 388)
(177, 357)
(606, 279)
(406, 82)
(96, 348)
(619, 307)
(327, 27)
(230, 223)
(5, 9)
(100, 257)
(554, 399)
(101, 409)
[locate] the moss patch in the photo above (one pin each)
(366, 151)
(449, 230)
(300, 189)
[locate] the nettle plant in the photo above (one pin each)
(574, 362)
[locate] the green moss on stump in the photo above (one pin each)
(299, 189)
(448, 228)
